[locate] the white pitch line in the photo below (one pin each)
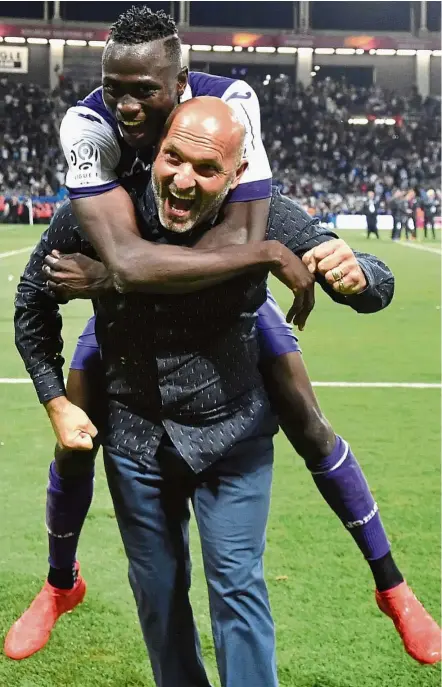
(16, 252)
(418, 246)
(14, 380)
(341, 385)
(379, 385)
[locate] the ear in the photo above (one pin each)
(182, 79)
(238, 173)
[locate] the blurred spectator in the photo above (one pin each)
(399, 211)
(370, 211)
(431, 207)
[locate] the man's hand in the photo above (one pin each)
(76, 276)
(290, 270)
(72, 427)
(337, 263)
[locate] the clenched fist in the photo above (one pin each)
(337, 263)
(71, 425)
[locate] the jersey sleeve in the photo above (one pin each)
(256, 182)
(92, 153)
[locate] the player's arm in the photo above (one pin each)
(106, 215)
(138, 265)
(38, 325)
(371, 281)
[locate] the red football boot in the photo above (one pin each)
(31, 632)
(420, 634)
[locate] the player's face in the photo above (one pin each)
(141, 86)
(192, 174)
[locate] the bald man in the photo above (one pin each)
(206, 134)
(187, 415)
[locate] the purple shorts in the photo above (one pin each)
(275, 337)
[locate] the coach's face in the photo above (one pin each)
(141, 86)
(199, 161)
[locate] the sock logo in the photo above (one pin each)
(60, 536)
(367, 518)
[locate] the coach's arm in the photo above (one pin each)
(38, 326)
(303, 235)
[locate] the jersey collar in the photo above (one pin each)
(187, 95)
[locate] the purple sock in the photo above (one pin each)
(341, 482)
(67, 504)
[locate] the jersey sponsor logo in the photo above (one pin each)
(84, 155)
(239, 96)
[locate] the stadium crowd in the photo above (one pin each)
(326, 160)
(329, 144)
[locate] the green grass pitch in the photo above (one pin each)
(329, 631)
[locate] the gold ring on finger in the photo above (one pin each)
(337, 275)
(341, 285)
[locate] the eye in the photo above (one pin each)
(206, 170)
(145, 92)
(172, 158)
(110, 89)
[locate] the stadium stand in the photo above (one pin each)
(329, 144)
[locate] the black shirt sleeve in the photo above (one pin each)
(37, 319)
(292, 226)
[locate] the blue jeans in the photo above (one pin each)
(231, 503)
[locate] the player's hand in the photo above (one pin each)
(291, 271)
(75, 275)
(71, 425)
(337, 263)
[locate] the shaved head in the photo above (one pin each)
(201, 159)
(211, 118)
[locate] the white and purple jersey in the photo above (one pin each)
(99, 159)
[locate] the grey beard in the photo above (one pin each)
(186, 227)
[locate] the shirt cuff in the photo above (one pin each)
(49, 385)
(88, 191)
(367, 274)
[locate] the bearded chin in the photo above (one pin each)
(165, 222)
(175, 227)
(191, 223)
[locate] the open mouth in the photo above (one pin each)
(179, 206)
(131, 127)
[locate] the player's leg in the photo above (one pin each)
(340, 479)
(334, 468)
(231, 507)
(71, 474)
(69, 495)
(151, 502)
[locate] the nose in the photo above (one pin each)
(184, 177)
(128, 107)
